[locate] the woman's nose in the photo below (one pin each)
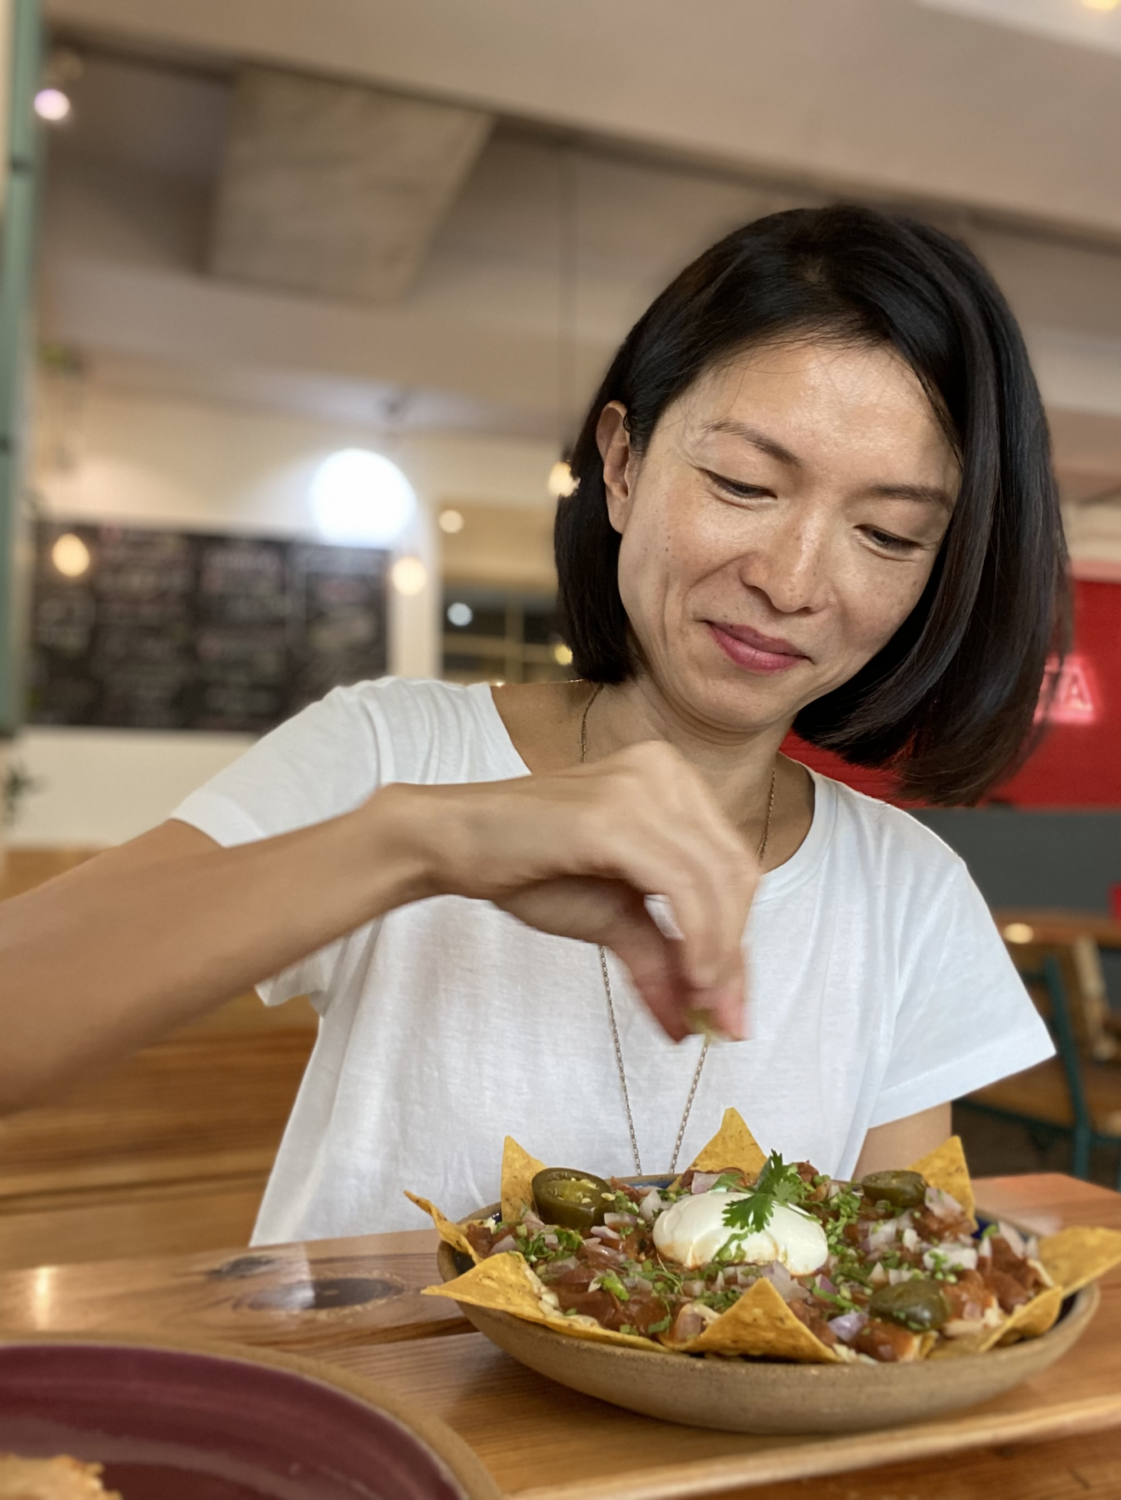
(790, 565)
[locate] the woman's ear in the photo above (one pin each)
(614, 443)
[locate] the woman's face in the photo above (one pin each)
(779, 528)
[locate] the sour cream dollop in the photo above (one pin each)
(692, 1231)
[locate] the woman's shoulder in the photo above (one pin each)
(426, 729)
(889, 835)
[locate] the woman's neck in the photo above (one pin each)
(544, 722)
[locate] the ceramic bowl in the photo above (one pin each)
(172, 1422)
(769, 1396)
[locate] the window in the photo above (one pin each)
(501, 635)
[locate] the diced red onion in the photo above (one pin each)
(784, 1284)
(533, 1224)
(507, 1242)
(894, 1277)
(620, 1221)
(825, 1285)
(835, 1189)
(848, 1325)
(941, 1204)
(692, 1288)
(557, 1267)
(985, 1248)
(1014, 1239)
(702, 1181)
(882, 1236)
(551, 1240)
(958, 1328)
(651, 1205)
(963, 1257)
(605, 1232)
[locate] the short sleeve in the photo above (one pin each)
(323, 762)
(965, 1018)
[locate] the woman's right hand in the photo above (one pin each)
(576, 853)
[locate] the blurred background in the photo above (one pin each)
(301, 305)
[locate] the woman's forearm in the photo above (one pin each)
(150, 935)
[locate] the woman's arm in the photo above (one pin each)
(904, 1141)
(156, 932)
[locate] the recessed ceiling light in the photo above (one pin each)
(460, 614)
(52, 104)
(451, 521)
(1101, 4)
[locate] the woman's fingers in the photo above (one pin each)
(614, 914)
(642, 821)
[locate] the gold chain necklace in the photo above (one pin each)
(607, 980)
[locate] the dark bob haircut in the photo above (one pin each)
(950, 701)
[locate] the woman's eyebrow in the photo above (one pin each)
(756, 438)
(927, 494)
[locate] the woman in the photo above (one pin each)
(814, 491)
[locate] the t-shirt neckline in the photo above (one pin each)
(775, 883)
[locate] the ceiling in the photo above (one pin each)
(1058, 20)
(605, 150)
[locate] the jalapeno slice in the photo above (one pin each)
(900, 1189)
(920, 1305)
(571, 1199)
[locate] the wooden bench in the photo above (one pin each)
(167, 1152)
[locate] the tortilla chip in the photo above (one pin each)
(760, 1323)
(733, 1145)
(1078, 1255)
(450, 1233)
(518, 1171)
(505, 1283)
(945, 1168)
(1030, 1320)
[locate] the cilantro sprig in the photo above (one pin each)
(778, 1182)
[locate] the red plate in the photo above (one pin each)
(177, 1424)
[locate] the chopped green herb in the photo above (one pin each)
(778, 1182)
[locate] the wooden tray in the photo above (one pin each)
(541, 1441)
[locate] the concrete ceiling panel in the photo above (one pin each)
(873, 96)
(335, 190)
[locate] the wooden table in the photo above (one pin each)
(356, 1304)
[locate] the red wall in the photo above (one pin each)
(1079, 762)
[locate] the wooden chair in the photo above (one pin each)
(1073, 1094)
(168, 1151)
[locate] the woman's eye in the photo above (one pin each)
(740, 489)
(890, 543)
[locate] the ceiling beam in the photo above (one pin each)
(869, 96)
(336, 189)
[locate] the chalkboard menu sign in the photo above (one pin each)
(177, 630)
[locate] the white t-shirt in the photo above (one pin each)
(879, 987)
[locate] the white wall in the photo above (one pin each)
(114, 455)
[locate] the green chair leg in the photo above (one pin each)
(1081, 1164)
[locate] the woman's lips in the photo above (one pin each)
(754, 652)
